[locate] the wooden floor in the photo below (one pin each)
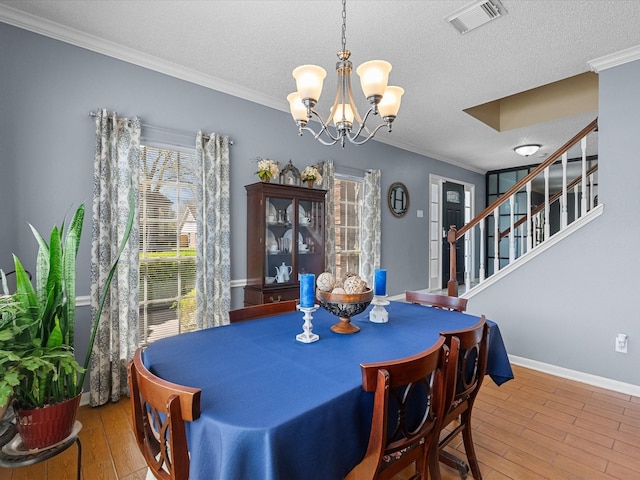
(532, 428)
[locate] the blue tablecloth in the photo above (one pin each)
(275, 408)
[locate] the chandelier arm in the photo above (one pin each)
(324, 129)
(318, 137)
(302, 127)
(362, 125)
(356, 114)
(337, 101)
(353, 138)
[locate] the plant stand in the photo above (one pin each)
(17, 457)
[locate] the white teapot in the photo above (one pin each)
(283, 272)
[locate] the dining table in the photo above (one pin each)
(274, 408)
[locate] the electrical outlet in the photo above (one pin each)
(621, 343)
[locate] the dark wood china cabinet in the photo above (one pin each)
(285, 238)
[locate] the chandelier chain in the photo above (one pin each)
(344, 25)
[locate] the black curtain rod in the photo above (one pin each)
(168, 130)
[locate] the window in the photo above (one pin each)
(498, 183)
(348, 224)
(167, 243)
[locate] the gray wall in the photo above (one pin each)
(566, 307)
(47, 147)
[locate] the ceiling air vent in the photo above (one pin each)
(476, 14)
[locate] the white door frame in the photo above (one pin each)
(436, 231)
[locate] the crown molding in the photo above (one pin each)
(613, 60)
(87, 41)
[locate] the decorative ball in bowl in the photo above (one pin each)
(345, 306)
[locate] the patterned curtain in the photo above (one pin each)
(116, 172)
(370, 251)
(213, 257)
(328, 181)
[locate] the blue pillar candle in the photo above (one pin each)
(380, 282)
(307, 290)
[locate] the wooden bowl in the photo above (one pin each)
(345, 306)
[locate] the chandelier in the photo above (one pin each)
(374, 75)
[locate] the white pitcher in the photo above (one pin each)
(283, 272)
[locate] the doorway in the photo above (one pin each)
(452, 212)
(447, 209)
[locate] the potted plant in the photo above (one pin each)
(266, 169)
(311, 174)
(40, 369)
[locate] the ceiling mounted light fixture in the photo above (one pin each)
(374, 76)
(526, 150)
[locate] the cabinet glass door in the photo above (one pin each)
(279, 241)
(310, 237)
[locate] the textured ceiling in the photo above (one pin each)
(249, 48)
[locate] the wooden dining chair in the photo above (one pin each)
(446, 302)
(460, 394)
(159, 410)
(259, 311)
(396, 440)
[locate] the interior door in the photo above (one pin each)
(452, 214)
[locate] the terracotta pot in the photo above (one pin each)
(46, 426)
(310, 183)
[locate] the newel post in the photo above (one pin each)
(452, 285)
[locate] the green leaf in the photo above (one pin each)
(25, 294)
(42, 266)
(55, 259)
(55, 337)
(8, 356)
(69, 254)
(6, 335)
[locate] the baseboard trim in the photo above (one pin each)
(596, 381)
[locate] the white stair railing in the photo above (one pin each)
(547, 211)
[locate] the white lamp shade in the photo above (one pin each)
(348, 114)
(309, 80)
(296, 107)
(374, 76)
(390, 103)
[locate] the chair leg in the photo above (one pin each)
(434, 463)
(470, 450)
